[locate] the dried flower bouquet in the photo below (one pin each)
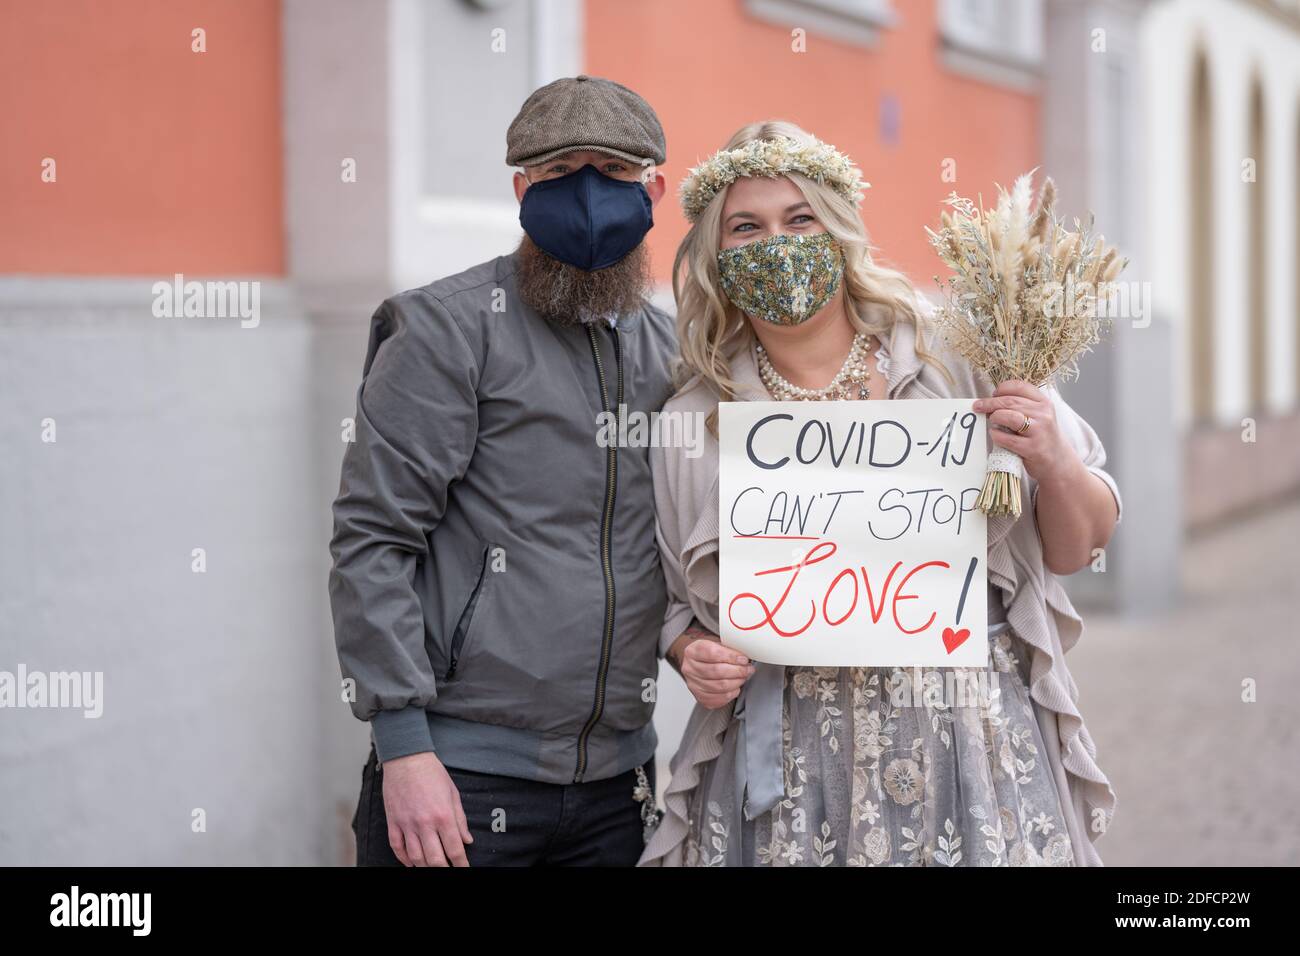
(1021, 301)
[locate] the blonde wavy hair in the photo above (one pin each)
(710, 329)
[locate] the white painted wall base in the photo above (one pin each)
(220, 688)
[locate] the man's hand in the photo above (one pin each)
(426, 825)
(714, 673)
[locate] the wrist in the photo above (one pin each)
(696, 632)
(678, 649)
(1064, 470)
(415, 761)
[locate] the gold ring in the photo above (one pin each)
(1025, 427)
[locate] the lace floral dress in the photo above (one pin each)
(896, 767)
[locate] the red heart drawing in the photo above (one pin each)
(955, 639)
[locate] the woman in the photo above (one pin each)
(778, 298)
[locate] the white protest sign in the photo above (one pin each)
(848, 533)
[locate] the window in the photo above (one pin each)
(1257, 255)
(856, 21)
(1295, 275)
(459, 73)
(998, 40)
(1201, 246)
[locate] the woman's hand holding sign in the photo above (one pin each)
(714, 673)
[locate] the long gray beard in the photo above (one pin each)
(567, 295)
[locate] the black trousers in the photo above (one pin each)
(518, 822)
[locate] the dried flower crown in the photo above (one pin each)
(818, 161)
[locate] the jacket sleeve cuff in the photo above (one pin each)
(399, 733)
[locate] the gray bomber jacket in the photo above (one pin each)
(496, 586)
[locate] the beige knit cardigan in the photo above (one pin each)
(1037, 606)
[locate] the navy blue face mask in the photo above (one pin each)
(586, 218)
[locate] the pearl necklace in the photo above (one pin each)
(851, 382)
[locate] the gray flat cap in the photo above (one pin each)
(584, 112)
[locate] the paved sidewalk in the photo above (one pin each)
(1202, 777)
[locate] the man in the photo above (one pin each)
(496, 588)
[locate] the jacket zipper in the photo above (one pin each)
(466, 616)
(606, 523)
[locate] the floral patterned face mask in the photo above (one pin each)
(784, 280)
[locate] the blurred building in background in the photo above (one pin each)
(1220, 197)
(337, 151)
